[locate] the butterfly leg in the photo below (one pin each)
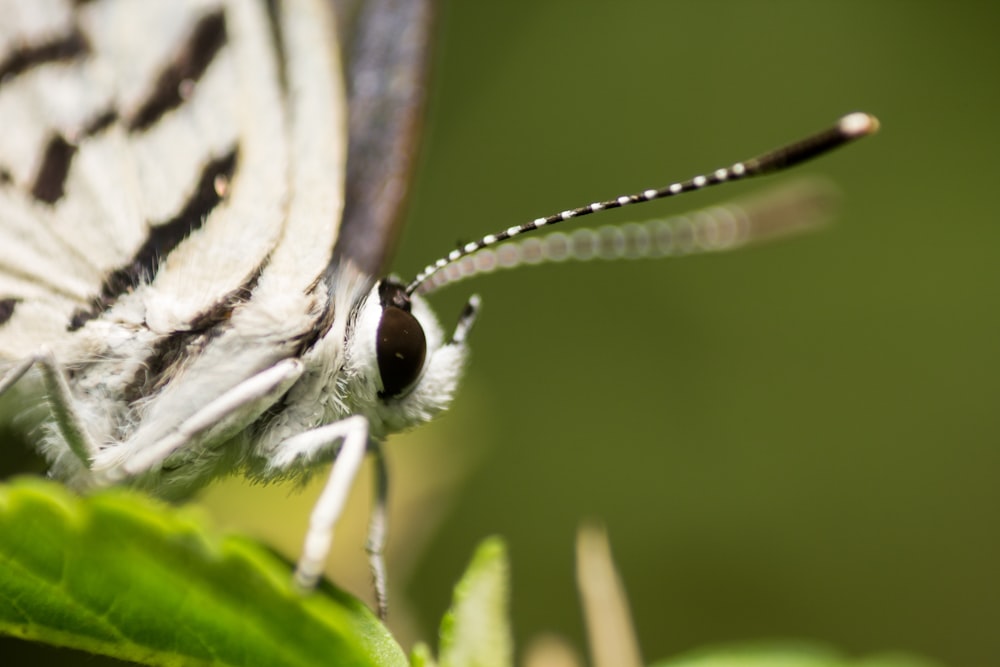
(219, 419)
(60, 400)
(353, 434)
(378, 529)
(308, 446)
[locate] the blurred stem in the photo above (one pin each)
(610, 631)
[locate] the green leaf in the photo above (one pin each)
(121, 575)
(787, 654)
(475, 631)
(421, 656)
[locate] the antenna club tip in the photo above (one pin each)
(858, 124)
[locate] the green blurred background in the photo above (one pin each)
(796, 440)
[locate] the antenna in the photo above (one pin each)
(788, 208)
(848, 128)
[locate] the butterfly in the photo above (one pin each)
(197, 199)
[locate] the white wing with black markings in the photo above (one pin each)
(116, 157)
(172, 188)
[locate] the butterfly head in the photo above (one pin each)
(409, 367)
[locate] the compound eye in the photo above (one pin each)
(400, 348)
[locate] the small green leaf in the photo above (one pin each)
(475, 631)
(788, 654)
(121, 575)
(421, 656)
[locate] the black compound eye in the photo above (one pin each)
(400, 347)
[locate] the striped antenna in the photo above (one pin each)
(848, 128)
(788, 208)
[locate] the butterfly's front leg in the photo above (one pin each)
(352, 433)
(219, 419)
(64, 412)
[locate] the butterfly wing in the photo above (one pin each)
(156, 175)
(388, 51)
(171, 190)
